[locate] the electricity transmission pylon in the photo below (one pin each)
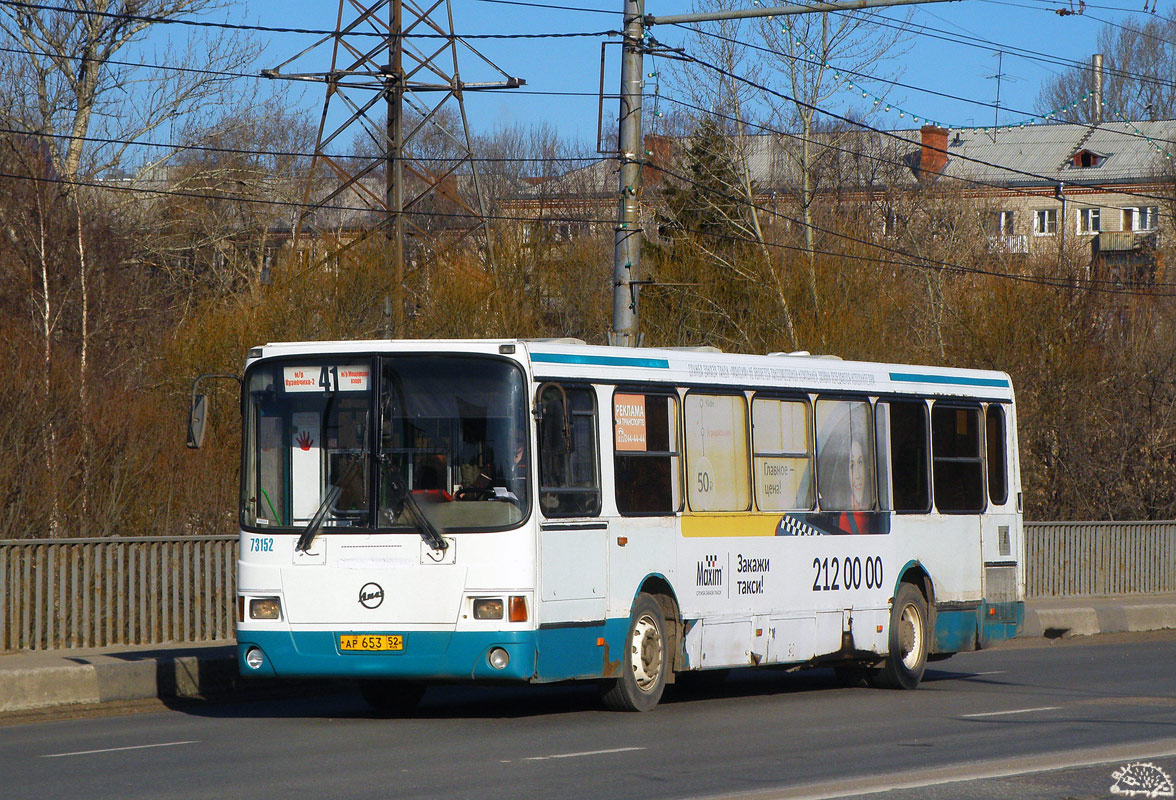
(394, 68)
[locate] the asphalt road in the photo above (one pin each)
(1043, 721)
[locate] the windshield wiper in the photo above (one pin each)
(424, 527)
(329, 500)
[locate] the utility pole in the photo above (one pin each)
(376, 66)
(625, 331)
(627, 247)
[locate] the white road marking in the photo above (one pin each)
(116, 749)
(1014, 711)
(967, 771)
(585, 753)
(991, 672)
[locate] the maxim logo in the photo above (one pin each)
(371, 595)
(709, 572)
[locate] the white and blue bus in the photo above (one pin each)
(535, 511)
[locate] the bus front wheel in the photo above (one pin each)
(904, 665)
(644, 660)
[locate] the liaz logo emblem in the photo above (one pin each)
(371, 595)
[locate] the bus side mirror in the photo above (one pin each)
(197, 415)
(198, 409)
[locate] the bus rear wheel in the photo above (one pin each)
(907, 659)
(391, 698)
(644, 660)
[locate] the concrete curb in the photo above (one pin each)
(1105, 616)
(34, 681)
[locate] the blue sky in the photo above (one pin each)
(572, 64)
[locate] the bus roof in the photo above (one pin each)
(570, 359)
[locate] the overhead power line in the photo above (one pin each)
(292, 153)
(889, 134)
(553, 7)
(235, 26)
(876, 157)
(888, 81)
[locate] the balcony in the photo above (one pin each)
(1008, 243)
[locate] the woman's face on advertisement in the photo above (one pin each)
(857, 474)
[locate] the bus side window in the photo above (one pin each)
(958, 467)
(645, 438)
(716, 452)
(782, 435)
(845, 455)
(569, 473)
(998, 485)
(910, 456)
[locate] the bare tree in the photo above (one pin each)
(73, 73)
(1139, 59)
(815, 54)
(236, 187)
(730, 100)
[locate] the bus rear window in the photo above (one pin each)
(998, 485)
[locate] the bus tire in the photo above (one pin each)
(907, 659)
(644, 661)
(391, 698)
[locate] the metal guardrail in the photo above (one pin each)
(65, 593)
(1072, 559)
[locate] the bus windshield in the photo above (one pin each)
(359, 434)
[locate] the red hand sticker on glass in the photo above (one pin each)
(304, 441)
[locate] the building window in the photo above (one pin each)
(893, 223)
(999, 223)
(1045, 222)
(1089, 220)
(1141, 218)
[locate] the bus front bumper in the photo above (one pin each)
(544, 655)
(427, 655)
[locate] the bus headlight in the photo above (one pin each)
(265, 608)
(498, 658)
(488, 608)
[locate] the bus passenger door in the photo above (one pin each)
(573, 539)
(1000, 532)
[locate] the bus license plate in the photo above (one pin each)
(371, 643)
